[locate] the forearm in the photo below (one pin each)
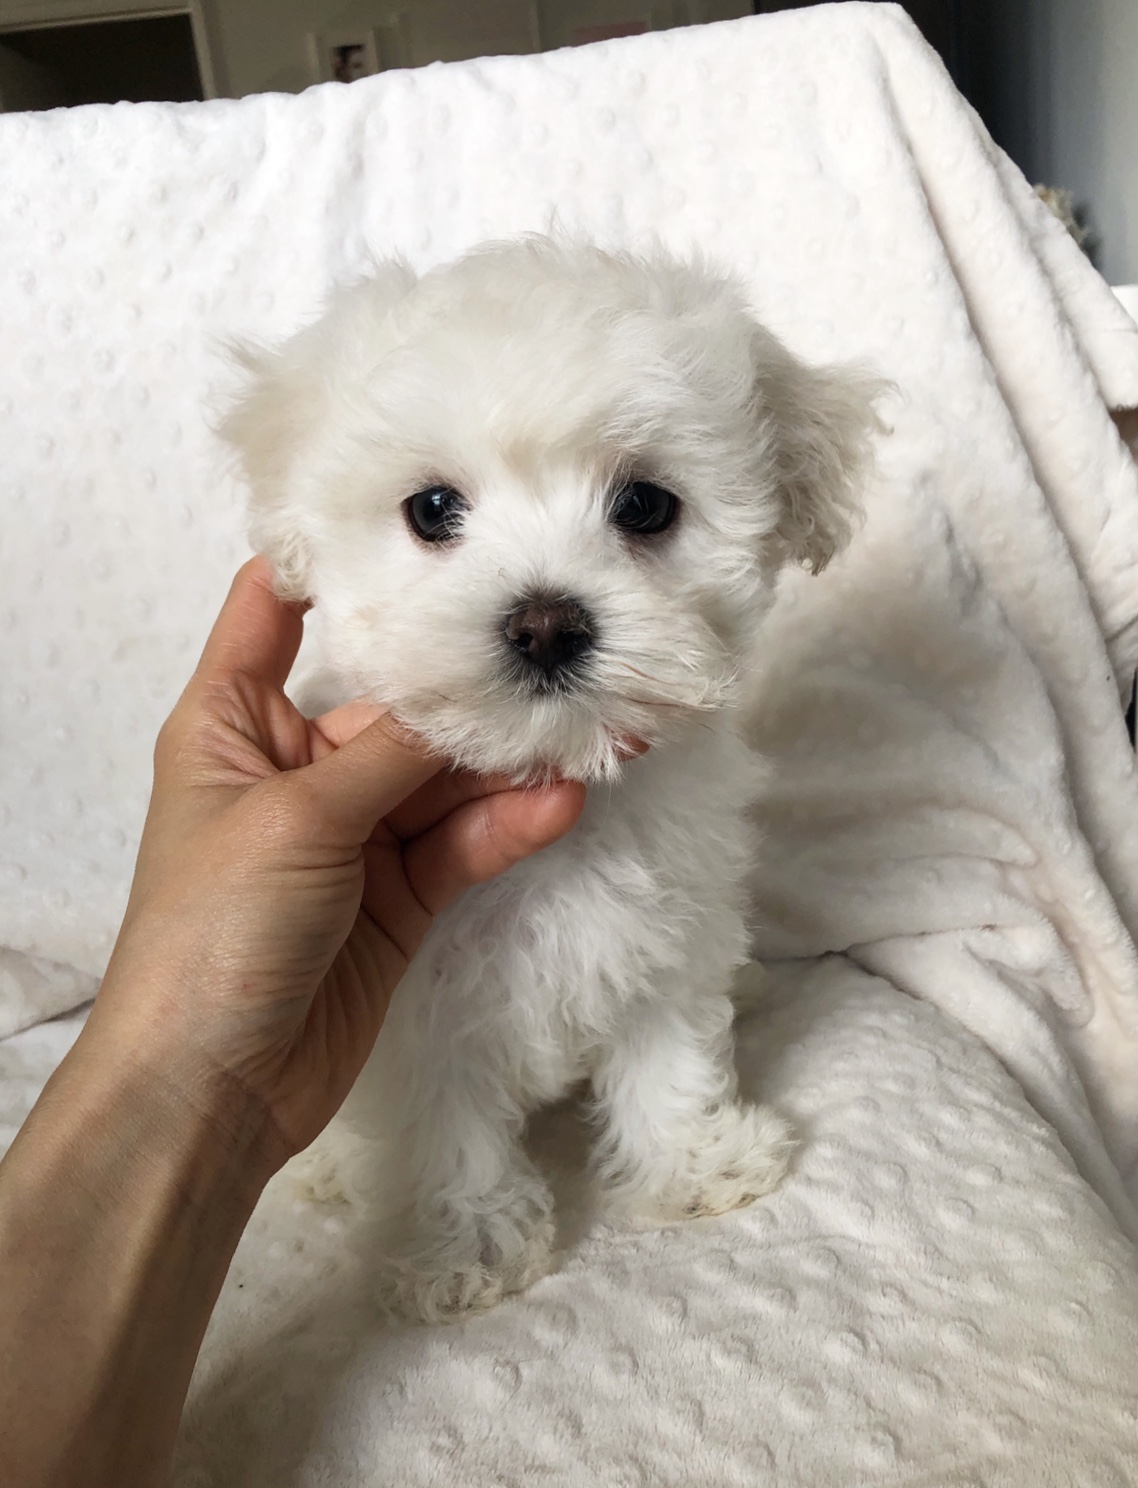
(120, 1209)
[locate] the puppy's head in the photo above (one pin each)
(542, 495)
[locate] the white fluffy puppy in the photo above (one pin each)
(540, 497)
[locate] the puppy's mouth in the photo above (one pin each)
(565, 684)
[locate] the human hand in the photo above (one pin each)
(289, 869)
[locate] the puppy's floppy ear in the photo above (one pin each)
(820, 422)
(287, 398)
(271, 420)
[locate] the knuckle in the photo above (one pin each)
(169, 742)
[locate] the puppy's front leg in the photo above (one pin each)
(480, 1212)
(676, 1141)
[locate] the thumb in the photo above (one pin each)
(368, 776)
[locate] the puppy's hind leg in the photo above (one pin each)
(676, 1142)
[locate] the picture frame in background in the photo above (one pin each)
(344, 55)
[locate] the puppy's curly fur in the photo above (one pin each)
(611, 448)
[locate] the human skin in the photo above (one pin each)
(288, 871)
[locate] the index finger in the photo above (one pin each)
(256, 632)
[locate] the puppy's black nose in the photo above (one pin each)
(550, 633)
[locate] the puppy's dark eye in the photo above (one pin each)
(436, 513)
(643, 509)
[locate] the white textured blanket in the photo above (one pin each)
(942, 1293)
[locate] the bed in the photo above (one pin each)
(945, 993)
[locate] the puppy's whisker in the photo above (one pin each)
(675, 688)
(628, 697)
(646, 676)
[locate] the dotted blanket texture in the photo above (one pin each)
(944, 1291)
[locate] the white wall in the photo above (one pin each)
(1058, 83)
(1090, 144)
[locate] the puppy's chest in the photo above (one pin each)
(654, 867)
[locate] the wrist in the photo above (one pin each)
(117, 1122)
(172, 1106)
(160, 1029)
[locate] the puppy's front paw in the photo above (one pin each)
(739, 1154)
(446, 1286)
(474, 1263)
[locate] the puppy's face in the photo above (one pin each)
(541, 496)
